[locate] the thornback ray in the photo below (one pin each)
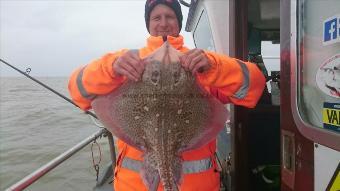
(163, 115)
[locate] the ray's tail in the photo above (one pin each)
(170, 171)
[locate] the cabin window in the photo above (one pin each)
(319, 63)
(271, 58)
(202, 35)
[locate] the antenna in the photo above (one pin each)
(185, 3)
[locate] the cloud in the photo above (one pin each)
(55, 37)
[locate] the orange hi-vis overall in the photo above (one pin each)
(229, 80)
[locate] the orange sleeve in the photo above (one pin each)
(96, 78)
(232, 80)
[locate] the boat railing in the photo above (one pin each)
(36, 175)
(40, 172)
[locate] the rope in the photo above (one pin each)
(94, 163)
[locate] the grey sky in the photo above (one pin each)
(55, 37)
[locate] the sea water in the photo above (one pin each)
(35, 127)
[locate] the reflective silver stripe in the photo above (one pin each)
(242, 92)
(131, 164)
(195, 166)
(81, 88)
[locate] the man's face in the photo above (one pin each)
(163, 21)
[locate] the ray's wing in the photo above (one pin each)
(105, 107)
(215, 123)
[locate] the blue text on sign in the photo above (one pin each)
(331, 30)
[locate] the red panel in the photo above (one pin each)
(303, 175)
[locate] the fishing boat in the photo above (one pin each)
(291, 140)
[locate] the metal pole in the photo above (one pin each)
(31, 178)
(270, 57)
(112, 149)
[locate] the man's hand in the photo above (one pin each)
(129, 65)
(195, 60)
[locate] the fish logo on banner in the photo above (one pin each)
(328, 76)
(331, 30)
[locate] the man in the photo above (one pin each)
(228, 79)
